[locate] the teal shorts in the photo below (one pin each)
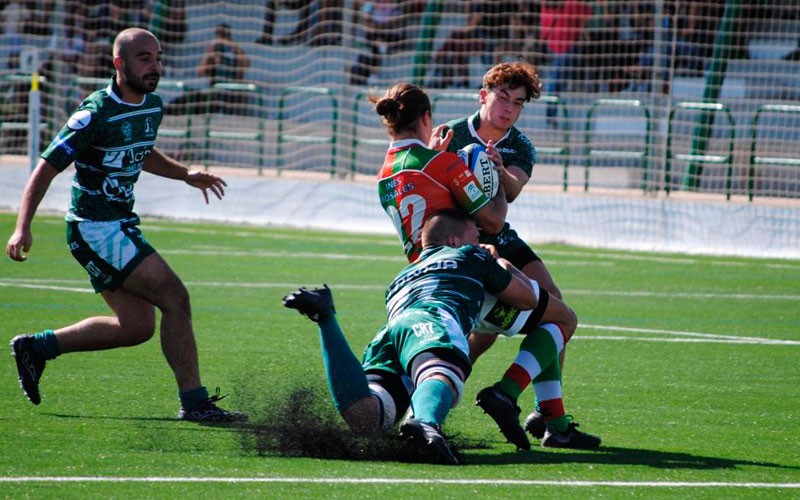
(411, 333)
(109, 251)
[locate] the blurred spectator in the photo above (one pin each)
(563, 28)
(487, 32)
(383, 23)
(225, 62)
(104, 19)
(69, 48)
(38, 23)
(15, 15)
(319, 22)
(168, 24)
(525, 43)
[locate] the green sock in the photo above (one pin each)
(561, 423)
(193, 398)
(46, 344)
(346, 380)
(431, 401)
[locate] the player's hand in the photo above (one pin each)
(491, 249)
(440, 138)
(497, 160)
(205, 181)
(19, 244)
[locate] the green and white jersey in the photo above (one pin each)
(449, 279)
(514, 146)
(108, 140)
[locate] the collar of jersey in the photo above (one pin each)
(406, 143)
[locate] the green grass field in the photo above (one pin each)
(688, 367)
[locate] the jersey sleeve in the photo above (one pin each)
(525, 155)
(495, 278)
(75, 136)
(462, 183)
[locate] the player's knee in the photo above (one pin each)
(364, 416)
(442, 370)
(390, 398)
(569, 324)
(137, 327)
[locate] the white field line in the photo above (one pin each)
(79, 286)
(468, 482)
(83, 285)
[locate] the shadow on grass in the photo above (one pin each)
(300, 422)
(608, 455)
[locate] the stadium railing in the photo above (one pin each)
(379, 144)
(307, 138)
(231, 99)
(14, 110)
(755, 159)
(697, 158)
(626, 154)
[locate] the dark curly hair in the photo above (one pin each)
(514, 75)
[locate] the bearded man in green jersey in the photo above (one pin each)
(110, 138)
(420, 359)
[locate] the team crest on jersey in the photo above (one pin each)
(127, 131)
(148, 127)
(79, 119)
(473, 191)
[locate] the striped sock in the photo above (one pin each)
(549, 397)
(537, 351)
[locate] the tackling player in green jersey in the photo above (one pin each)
(420, 359)
(110, 138)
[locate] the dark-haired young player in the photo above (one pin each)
(507, 87)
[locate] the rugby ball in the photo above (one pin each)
(474, 155)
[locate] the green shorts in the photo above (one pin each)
(109, 251)
(413, 332)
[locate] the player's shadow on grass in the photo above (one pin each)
(606, 455)
(228, 426)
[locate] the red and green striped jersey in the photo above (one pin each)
(416, 182)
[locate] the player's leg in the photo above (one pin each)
(108, 267)
(438, 376)
(537, 350)
(347, 382)
(557, 429)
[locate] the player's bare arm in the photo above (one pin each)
(22, 239)
(162, 165)
(492, 216)
(519, 293)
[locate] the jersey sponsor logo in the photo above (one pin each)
(502, 316)
(394, 189)
(115, 190)
(439, 265)
(473, 191)
(79, 119)
(423, 329)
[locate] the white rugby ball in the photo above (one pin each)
(474, 155)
